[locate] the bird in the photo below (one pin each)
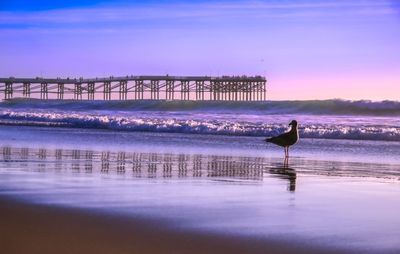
(286, 139)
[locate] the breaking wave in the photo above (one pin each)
(314, 107)
(209, 126)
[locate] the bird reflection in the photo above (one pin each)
(283, 171)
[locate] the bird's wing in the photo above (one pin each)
(279, 140)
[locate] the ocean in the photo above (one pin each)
(329, 119)
(204, 167)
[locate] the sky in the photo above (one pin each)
(307, 49)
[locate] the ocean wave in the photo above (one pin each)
(317, 107)
(217, 127)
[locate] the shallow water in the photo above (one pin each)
(334, 193)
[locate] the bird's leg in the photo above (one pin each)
(288, 152)
(286, 162)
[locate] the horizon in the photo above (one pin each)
(212, 101)
(313, 50)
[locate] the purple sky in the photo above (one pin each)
(306, 49)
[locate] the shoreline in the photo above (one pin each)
(336, 150)
(38, 228)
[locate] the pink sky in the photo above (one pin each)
(306, 49)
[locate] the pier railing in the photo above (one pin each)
(227, 88)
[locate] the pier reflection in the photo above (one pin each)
(140, 165)
(185, 166)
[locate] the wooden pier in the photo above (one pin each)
(224, 88)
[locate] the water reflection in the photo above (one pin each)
(240, 169)
(149, 165)
(286, 173)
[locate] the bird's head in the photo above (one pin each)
(293, 123)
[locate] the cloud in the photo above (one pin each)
(194, 12)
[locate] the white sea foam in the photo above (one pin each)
(201, 124)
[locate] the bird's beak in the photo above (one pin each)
(290, 124)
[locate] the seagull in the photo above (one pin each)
(286, 139)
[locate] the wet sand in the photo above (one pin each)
(30, 228)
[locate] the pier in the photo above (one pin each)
(199, 88)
